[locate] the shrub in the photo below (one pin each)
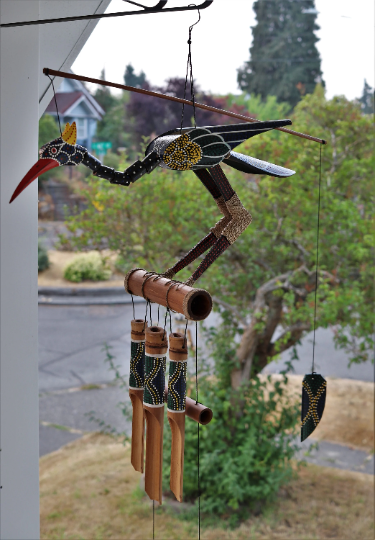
(43, 261)
(246, 449)
(87, 266)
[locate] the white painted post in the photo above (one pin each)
(19, 422)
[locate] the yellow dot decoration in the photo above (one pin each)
(182, 153)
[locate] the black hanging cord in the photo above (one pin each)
(144, 325)
(185, 341)
(196, 401)
(153, 520)
(189, 72)
(54, 95)
(317, 257)
(133, 305)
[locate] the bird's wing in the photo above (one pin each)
(235, 134)
(232, 134)
(250, 165)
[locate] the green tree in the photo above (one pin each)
(367, 99)
(270, 271)
(264, 282)
(103, 95)
(131, 79)
(48, 129)
(284, 61)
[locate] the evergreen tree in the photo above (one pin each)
(131, 79)
(367, 99)
(284, 61)
(103, 95)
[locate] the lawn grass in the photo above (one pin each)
(90, 491)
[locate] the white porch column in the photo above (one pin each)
(19, 422)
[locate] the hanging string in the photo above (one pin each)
(185, 340)
(150, 313)
(196, 401)
(54, 95)
(189, 73)
(144, 325)
(133, 306)
(153, 520)
(317, 258)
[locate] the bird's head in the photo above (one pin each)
(60, 151)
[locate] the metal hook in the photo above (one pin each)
(199, 13)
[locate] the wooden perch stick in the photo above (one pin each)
(194, 304)
(136, 386)
(65, 75)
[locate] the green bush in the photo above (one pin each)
(43, 261)
(87, 266)
(246, 449)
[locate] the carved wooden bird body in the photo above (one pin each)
(200, 149)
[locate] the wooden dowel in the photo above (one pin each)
(178, 355)
(65, 75)
(153, 405)
(136, 386)
(194, 304)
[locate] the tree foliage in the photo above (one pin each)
(367, 99)
(48, 129)
(267, 278)
(264, 284)
(284, 61)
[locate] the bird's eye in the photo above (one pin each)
(53, 150)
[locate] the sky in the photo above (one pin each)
(157, 44)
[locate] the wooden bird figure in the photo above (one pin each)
(200, 149)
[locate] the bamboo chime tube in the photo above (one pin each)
(196, 411)
(136, 387)
(153, 405)
(178, 355)
(194, 304)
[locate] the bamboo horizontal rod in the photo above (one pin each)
(194, 304)
(65, 75)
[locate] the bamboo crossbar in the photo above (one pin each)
(223, 112)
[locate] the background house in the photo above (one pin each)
(75, 103)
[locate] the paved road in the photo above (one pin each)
(71, 340)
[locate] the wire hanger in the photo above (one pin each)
(158, 8)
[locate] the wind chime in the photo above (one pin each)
(201, 150)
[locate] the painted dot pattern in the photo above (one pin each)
(177, 386)
(137, 365)
(182, 153)
(314, 388)
(154, 380)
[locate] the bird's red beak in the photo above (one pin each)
(40, 167)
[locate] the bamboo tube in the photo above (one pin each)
(153, 406)
(136, 385)
(194, 304)
(178, 355)
(196, 411)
